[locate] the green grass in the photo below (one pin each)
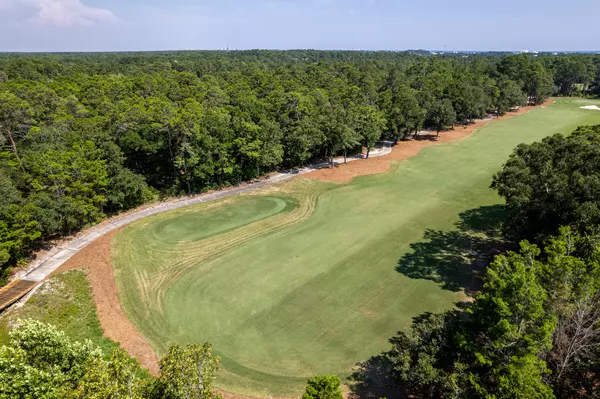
(66, 302)
(306, 278)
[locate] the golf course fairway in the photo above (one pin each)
(303, 278)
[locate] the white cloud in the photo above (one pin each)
(63, 13)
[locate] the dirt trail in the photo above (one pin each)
(403, 150)
(96, 256)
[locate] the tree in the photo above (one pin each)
(515, 67)
(42, 362)
(492, 347)
(14, 113)
(323, 387)
(369, 125)
(538, 83)
(258, 146)
(570, 72)
(71, 182)
(595, 85)
(509, 329)
(301, 135)
(529, 72)
(8, 192)
(403, 111)
(573, 284)
(271, 148)
(511, 96)
(441, 115)
(114, 378)
(126, 190)
(552, 183)
(467, 101)
(19, 231)
(348, 139)
(187, 373)
(338, 134)
(425, 358)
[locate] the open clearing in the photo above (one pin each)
(305, 277)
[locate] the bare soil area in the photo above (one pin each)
(96, 259)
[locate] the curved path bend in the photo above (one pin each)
(42, 267)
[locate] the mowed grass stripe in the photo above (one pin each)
(315, 291)
(192, 254)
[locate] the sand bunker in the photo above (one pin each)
(594, 107)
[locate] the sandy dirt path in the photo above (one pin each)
(96, 259)
(403, 150)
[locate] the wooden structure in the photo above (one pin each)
(15, 291)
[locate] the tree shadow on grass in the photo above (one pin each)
(377, 377)
(373, 379)
(425, 137)
(486, 220)
(457, 259)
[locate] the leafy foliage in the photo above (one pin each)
(553, 183)
(532, 331)
(323, 387)
(187, 373)
(42, 362)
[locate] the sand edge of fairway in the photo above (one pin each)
(344, 173)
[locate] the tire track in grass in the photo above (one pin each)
(218, 245)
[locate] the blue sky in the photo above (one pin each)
(103, 25)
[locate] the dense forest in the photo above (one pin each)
(85, 136)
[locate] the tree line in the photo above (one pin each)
(85, 136)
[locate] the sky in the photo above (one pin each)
(140, 25)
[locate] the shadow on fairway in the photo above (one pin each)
(456, 259)
(374, 378)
